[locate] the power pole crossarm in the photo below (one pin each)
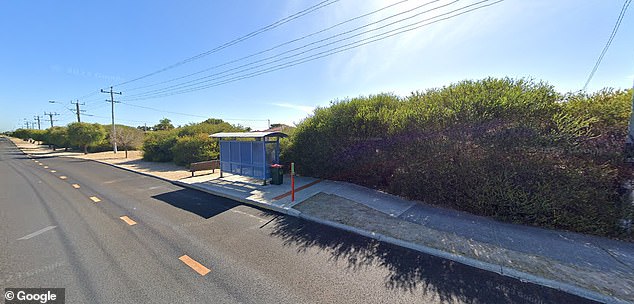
(37, 117)
(50, 115)
(114, 129)
(77, 109)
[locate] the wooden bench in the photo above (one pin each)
(204, 165)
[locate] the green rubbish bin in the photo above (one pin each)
(277, 174)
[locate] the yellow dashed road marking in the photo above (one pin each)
(76, 186)
(53, 171)
(45, 167)
(202, 270)
(63, 177)
(95, 199)
(40, 164)
(128, 220)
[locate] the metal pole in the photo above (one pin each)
(293, 182)
(114, 129)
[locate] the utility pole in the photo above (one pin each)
(27, 124)
(50, 115)
(114, 129)
(77, 109)
(38, 121)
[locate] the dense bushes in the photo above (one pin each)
(57, 137)
(187, 144)
(513, 149)
(83, 134)
(195, 148)
(157, 146)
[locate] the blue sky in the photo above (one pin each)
(69, 50)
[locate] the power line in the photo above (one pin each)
(413, 26)
(252, 34)
(198, 81)
(311, 43)
(185, 114)
(626, 4)
(163, 111)
(276, 46)
(240, 39)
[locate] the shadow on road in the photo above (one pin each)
(189, 200)
(412, 271)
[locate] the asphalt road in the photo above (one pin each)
(64, 229)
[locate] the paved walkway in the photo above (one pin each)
(593, 267)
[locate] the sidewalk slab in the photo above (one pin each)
(572, 248)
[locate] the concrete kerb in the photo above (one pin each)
(505, 271)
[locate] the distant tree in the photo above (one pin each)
(164, 124)
(128, 138)
(144, 128)
(57, 137)
(214, 121)
(84, 134)
(23, 134)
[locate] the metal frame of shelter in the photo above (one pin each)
(251, 158)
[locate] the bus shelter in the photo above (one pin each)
(249, 153)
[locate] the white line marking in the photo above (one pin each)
(250, 215)
(26, 237)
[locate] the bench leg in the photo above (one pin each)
(192, 173)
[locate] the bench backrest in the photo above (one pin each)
(205, 165)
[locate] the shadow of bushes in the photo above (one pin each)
(411, 271)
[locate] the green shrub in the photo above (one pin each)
(190, 149)
(83, 134)
(208, 127)
(157, 146)
(187, 144)
(58, 137)
(25, 134)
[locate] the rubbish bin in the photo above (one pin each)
(277, 174)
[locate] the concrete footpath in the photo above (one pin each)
(597, 268)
